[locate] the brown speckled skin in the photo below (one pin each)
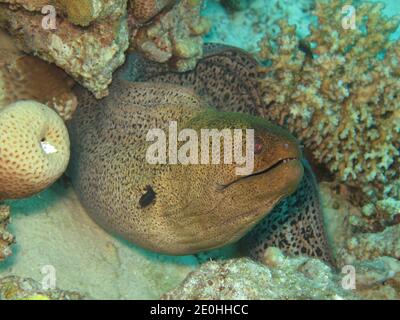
(190, 213)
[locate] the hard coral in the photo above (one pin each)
(338, 90)
(174, 36)
(89, 55)
(24, 77)
(34, 149)
(6, 238)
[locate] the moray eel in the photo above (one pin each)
(183, 209)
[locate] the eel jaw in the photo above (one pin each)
(222, 187)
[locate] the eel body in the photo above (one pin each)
(183, 209)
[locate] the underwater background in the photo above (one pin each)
(336, 88)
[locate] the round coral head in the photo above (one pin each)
(34, 149)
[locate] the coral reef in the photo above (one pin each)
(280, 278)
(6, 238)
(24, 77)
(338, 90)
(16, 288)
(174, 36)
(91, 36)
(376, 244)
(368, 240)
(34, 149)
(89, 55)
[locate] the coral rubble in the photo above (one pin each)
(34, 149)
(16, 288)
(174, 36)
(6, 238)
(338, 90)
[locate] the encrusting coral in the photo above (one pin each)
(24, 77)
(16, 288)
(174, 36)
(6, 238)
(338, 90)
(34, 149)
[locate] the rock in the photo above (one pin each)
(79, 12)
(15, 288)
(23, 77)
(174, 36)
(292, 278)
(90, 55)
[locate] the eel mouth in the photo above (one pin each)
(279, 163)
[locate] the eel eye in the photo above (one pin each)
(148, 197)
(258, 145)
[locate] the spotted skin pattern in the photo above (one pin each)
(225, 78)
(295, 225)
